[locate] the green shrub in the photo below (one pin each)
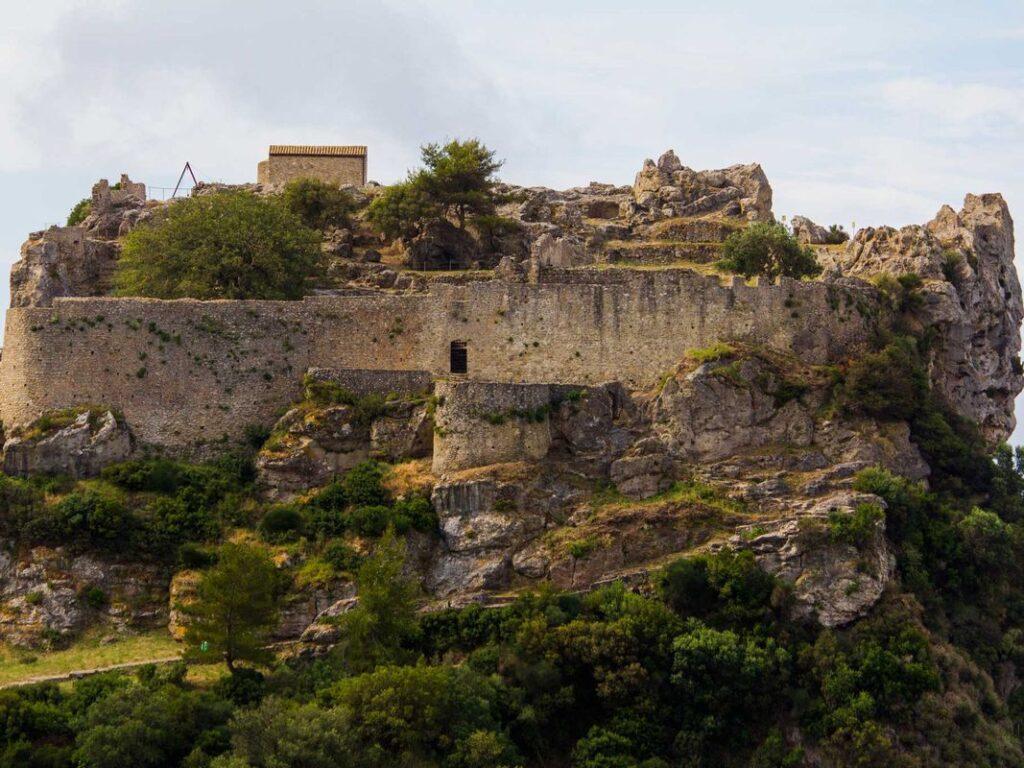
(195, 557)
(714, 353)
(836, 235)
(104, 519)
(282, 522)
(363, 484)
(414, 512)
(890, 384)
(368, 519)
(402, 209)
(172, 521)
(324, 522)
(95, 597)
(341, 556)
(80, 212)
(727, 588)
(244, 687)
(856, 528)
(319, 204)
(229, 245)
(767, 250)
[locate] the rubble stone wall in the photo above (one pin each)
(344, 171)
(187, 373)
(481, 423)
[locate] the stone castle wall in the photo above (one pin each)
(280, 169)
(485, 422)
(186, 373)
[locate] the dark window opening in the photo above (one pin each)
(459, 357)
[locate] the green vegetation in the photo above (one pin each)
(89, 652)
(235, 608)
(714, 353)
(769, 251)
(707, 671)
(319, 204)
(857, 528)
(836, 235)
(80, 212)
(228, 245)
(456, 184)
(358, 503)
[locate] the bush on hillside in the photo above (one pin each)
(228, 245)
(769, 251)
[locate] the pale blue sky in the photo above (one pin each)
(866, 112)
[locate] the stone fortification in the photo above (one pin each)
(186, 372)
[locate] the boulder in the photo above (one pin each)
(308, 448)
(559, 252)
(81, 449)
(723, 408)
(806, 231)
(405, 432)
(668, 188)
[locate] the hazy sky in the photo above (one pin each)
(866, 112)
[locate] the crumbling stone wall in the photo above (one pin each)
(188, 373)
(481, 423)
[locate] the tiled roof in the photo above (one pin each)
(321, 151)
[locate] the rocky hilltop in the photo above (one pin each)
(548, 471)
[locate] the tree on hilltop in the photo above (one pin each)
(768, 250)
(457, 183)
(459, 177)
(228, 245)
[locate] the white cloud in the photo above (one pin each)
(957, 104)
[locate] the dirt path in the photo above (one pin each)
(77, 674)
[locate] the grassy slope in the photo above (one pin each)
(17, 666)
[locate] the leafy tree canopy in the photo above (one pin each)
(456, 183)
(228, 245)
(769, 251)
(319, 204)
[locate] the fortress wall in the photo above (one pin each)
(187, 372)
(482, 422)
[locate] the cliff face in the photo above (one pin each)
(972, 301)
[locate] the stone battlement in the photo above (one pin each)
(186, 372)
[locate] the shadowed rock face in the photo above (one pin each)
(972, 299)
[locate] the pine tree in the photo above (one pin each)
(235, 608)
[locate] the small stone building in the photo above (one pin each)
(343, 165)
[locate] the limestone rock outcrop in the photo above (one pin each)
(972, 298)
(834, 582)
(90, 442)
(307, 449)
(725, 407)
(668, 188)
(50, 594)
(806, 231)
